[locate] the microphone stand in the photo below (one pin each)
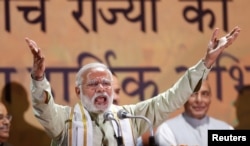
(151, 137)
(119, 137)
(109, 116)
(122, 114)
(119, 141)
(152, 141)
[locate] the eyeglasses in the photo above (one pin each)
(8, 117)
(93, 84)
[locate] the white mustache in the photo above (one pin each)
(100, 94)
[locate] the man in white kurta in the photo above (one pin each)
(191, 127)
(53, 117)
(84, 124)
(185, 130)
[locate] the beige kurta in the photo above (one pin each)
(53, 116)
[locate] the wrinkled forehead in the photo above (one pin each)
(98, 73)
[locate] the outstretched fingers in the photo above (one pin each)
(235, 31)
(215, 35)
(32, 44)
(216, 46)
(38, 59)
(232, 35)
(36, 51)
(214, 39)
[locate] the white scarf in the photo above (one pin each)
(80, 131)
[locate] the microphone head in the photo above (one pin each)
(108, 115)
(122, 114)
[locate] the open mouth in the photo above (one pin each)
(101, 100)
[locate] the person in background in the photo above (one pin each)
(86, 124)
(5, 120)
(116, 88)
(191, 127)
(17, 102)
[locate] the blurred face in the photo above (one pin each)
(117, 88)
(4, 123)
(198, 103)
(96, 91)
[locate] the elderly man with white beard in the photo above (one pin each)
(84, 123)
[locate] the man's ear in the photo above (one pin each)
(77, 90)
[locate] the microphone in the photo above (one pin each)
(122, 114)
(108, 116)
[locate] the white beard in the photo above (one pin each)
(90, 104)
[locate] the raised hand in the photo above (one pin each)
(38, 60)
(216, 46)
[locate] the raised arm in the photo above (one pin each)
(216, 46)
(157, 109)
(38, 68)
(51, 115)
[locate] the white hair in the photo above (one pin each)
(86, 67)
